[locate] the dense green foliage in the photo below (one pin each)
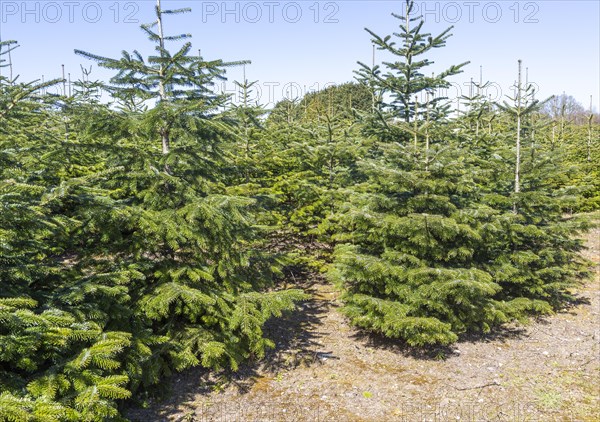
(136, 237)
(441, 238)
(122, 263)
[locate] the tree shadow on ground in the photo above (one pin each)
(497, 334)
(296, 336)
(569, 306)
(503, 333)
(379, 341)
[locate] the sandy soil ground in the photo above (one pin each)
(324, 370)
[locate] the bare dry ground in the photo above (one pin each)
(324, 370)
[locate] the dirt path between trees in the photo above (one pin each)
(324, 370)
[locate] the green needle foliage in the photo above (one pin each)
(399, 84)
(303, 152)
(144, 235)
(435, 243)
(123, 261)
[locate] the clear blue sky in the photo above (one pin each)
(310, 44)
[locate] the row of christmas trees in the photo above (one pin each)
(135, 236)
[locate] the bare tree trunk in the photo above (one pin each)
(589, 143)
(427, 135)
(372, 83)
(164, 132)
(518, 159)
(533, 143)
(64, 80)
(65, 118)
(408, 62)
(166, 141)
(330, 142)
(415, 123)
(10, 66)
(562, 123)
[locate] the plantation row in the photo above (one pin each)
(136, 237)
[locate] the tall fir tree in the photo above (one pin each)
(139, 263)
(404, 256)
(401, 89)
(202, 258)
(422, 254)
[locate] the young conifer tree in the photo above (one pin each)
(148, 266)
(422, 254)
(530, 245)
(248, 129)
(405, 262)
(402, 89)
(202, 262)
(40, 338)
(179, 85)
(446, 244)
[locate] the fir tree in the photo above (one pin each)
(406, 265)
(181, 84)
(248, 130)
(423, 254)
(313, 144)
(400, 83)
(116, 273)
(195, 246)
